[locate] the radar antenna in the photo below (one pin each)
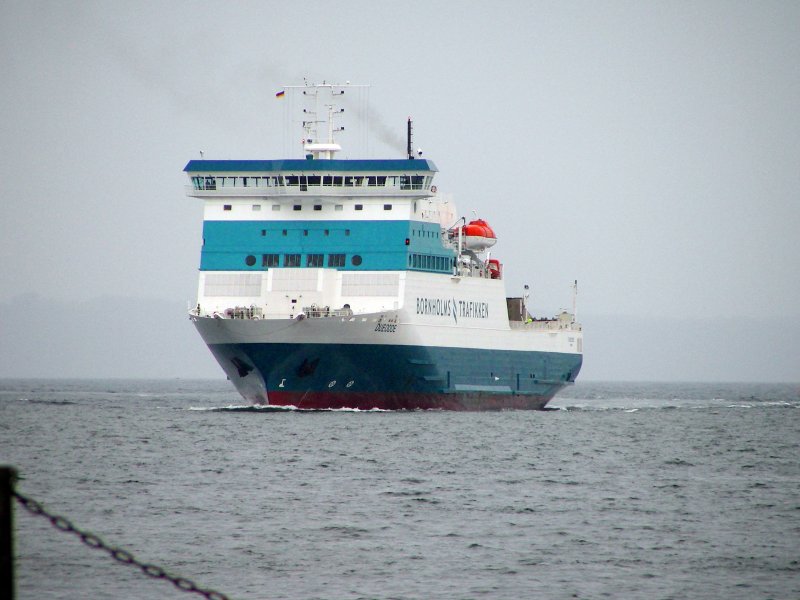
(321, 95)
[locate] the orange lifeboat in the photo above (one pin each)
(477, 235)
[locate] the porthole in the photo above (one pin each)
(250, 260)
(356, 260)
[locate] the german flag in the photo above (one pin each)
(280, 94)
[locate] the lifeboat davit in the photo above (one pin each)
(477, 235)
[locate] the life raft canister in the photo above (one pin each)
(495, 269)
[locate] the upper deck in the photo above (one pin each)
(336, 165)
(315, 177)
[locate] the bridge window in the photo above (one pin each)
(412, 182)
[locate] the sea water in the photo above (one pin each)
(625, 491)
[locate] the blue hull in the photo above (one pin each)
(398, 377)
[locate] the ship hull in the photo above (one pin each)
(318, 400)
(385, 376)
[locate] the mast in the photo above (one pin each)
(314, 146)
(575, 301)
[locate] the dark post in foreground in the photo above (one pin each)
(7, 477)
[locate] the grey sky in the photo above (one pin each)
(649, 150)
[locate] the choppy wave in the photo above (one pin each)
(50, 402)
(256, 408)
(640, 479)
(633, 407)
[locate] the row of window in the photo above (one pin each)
(415, 261)
(277, 207)
(295, 260)
(285, 232)
(404, 182)
(431, 263)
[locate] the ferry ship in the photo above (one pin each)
(329, 283)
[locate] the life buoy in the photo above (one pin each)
(433, 189)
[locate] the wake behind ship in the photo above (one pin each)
(328, 283)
